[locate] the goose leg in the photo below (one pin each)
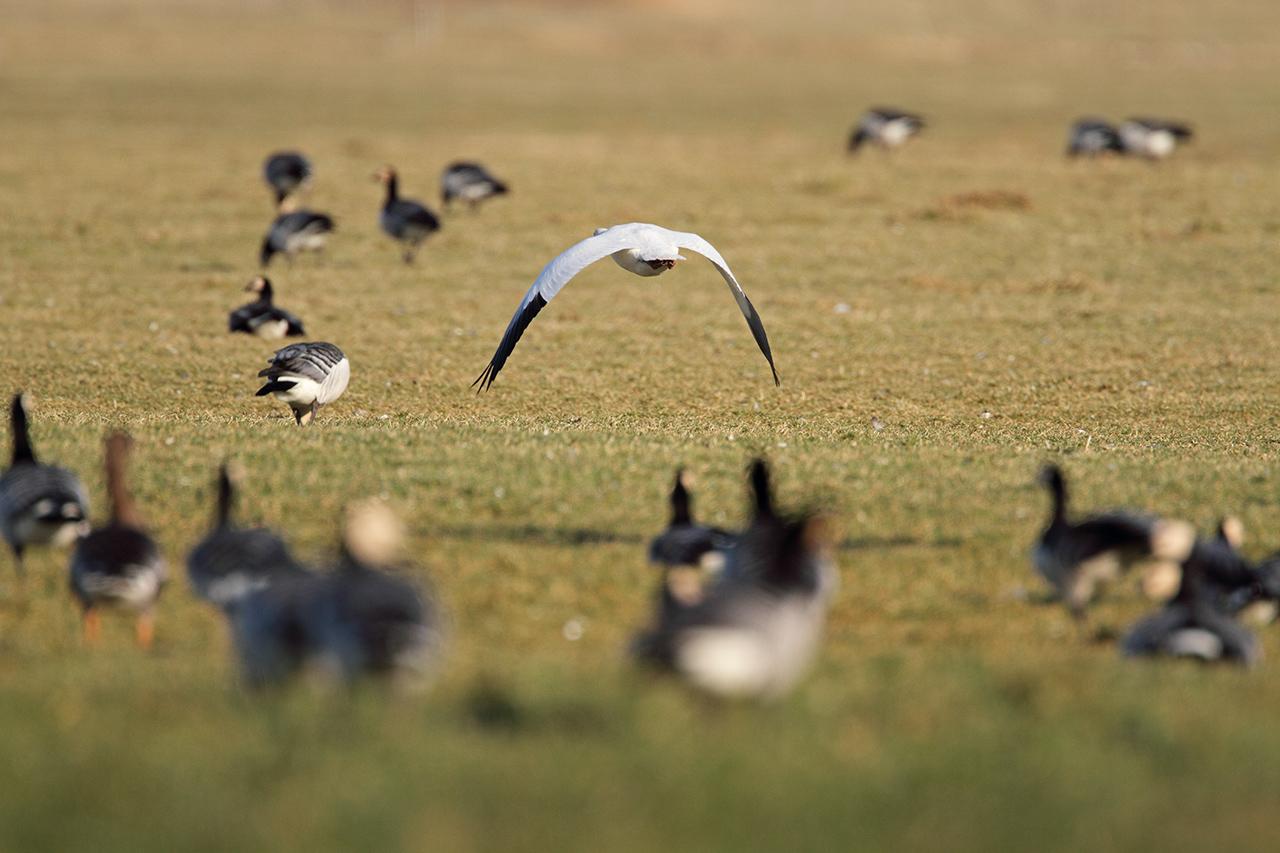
(306, 416)
(144, 630)
(92, 625)
(409, 253)
(18, 562)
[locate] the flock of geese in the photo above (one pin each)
(737, 612)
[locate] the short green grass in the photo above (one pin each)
(987, 303)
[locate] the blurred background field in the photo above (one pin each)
(944, 320)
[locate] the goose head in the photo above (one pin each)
(259, 285)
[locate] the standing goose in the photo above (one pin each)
(404, 219)
(687, 551)
(118, 565)
(285, 173)
(39, 504)
(885, 127)
(293, 232)
(276, 629)
(1091, 137)
(262, 318)
(1154, 139)
(753, 635)
(1075, 558)
(469, 182)
(638, 247)
(232, 562)
(306, 376)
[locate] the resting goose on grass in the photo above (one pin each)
(306, 377)
(1092, 137)
(118, 565)
(1154, 139)
(294, 232)
(39, 504)
(262, 318)
(403, 219)
(469, 182)
(285, 173)
(232, 562)
(1077, 557)
(885, 127)
(755, 633)
(644, 249)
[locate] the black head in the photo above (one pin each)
(261, 285)
(761, 489)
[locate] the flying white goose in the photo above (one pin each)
(637, 247)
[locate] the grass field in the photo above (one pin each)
(985, 302)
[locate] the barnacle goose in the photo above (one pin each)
(1077, 557)
(1154, 139)
(118, 565)
(306, 376)
(885, 127)
(232, 562)
(688, 552)
(755, 633)
(295, 231)
(404, 219)
(285, 173)
(261, 317)
(1091, 137)
(469, 182)
(39, 504)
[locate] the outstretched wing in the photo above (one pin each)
(553, 277)
(694, 243)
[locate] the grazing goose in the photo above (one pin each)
(640, 248)
(1078, 557)
(1194, 624)
(118, 565)
(404, 219)
(232, 562)
(306, 376)
(294, 232)
(469, 182)
(262, 318)
(286, 172)
(1091, 137)
(39, 504)
(756, 634)
(1154, 139)
(888, 128)
(372, 622)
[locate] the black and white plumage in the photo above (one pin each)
(306, 376)
(261, 317)
(286, 172)
(118, 565)
(405, 220)
(1154, 139)
(755, 633)
(684, 542)
(638, 247)
(1078, 557)
(233, 562)
(469, 182)
(276, 629)
(294, 232)
(1093, 137)
(39, 504)
(886, 127)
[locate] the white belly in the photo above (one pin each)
(304, 392)
(272, 330)
(629, 260)
(894, 133)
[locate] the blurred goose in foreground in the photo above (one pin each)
(294, 232)
(232, 562)
(756, 634)
(118, 565)
(1091, 137)
(469, 182)
(885, 127)
(262, 318)
(285, 173)
(276, 630)
(1077, 557)
(39, 504)
(1194, 623)
(640, 248)
(685, 544)
(306, 376)
(1153, 138)
(370, 621)
(403, 219)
